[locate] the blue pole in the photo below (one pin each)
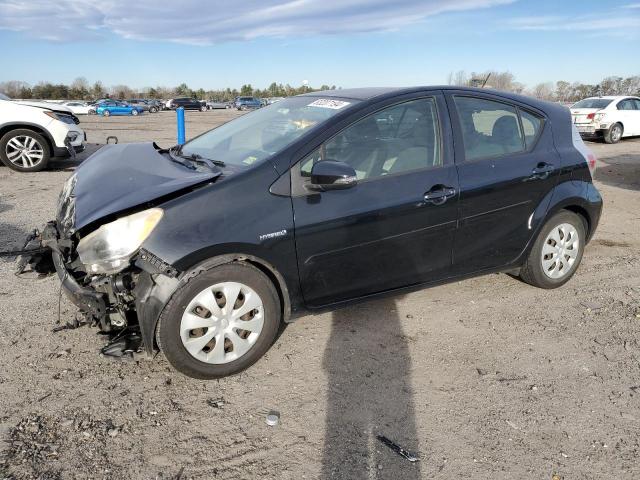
(180, 118)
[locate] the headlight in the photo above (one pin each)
(110, 247)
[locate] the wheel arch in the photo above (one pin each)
(7, 127)
(153, 294)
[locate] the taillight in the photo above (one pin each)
(591, 161)
(587, 154)
(591, 116)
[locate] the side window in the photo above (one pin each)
(625, 105)
(489, 128)
(531, 126)
(396, 139)
(636, 102)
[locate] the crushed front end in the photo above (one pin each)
(116, 284)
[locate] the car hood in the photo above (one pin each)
(47, 105)
(121, 177)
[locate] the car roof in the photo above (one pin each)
(369, 93)
(612, 97)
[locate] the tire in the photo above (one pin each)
(106, 113)
(541, 271)
(170, 331)
(614, 133)
(135, 112)
(203, 108)
(227, 107)
(92, 112)
(153, 110)
(33, 159)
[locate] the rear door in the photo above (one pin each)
(396, 226)
(507, 164)
(629, 116)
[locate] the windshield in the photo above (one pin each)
(592, 103)
(253, 137)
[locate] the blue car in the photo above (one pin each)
(247, 103)
(113, 107)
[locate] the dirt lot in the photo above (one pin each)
(486, 378)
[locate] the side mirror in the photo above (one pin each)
(332, 175)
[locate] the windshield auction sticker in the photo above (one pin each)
(326, 103)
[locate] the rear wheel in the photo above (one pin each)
(614, 134)
(24, 150)
(557, 251)
(221, 322)
(134, 112)
(153, 110)
(203, 108)
(106, 113)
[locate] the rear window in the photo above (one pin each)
(592, 103)
(489, 128)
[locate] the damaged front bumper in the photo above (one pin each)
(135, 296)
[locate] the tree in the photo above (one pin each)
(183, 90)
(246, 90)
(459, 78)
(543, 91)
(97, 91)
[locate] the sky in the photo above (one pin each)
(215, 44)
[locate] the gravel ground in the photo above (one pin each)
(486, 378)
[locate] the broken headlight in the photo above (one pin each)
(109, 248)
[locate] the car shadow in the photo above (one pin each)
(368, 365)
(621, 171)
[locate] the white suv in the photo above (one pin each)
(31, 135)
(610, 118)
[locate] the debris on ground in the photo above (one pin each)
(70, 325)
(124, 343)
(398, 449)
(273, 418)
(216, 402)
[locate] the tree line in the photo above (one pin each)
(560, 91)
(81, 89)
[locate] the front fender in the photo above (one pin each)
(154, 290)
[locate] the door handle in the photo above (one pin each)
(542, 171)
(439, 194)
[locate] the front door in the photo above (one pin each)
(507, 164)
(396, 226)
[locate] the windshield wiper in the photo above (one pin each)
(195, 157)
(199, 158)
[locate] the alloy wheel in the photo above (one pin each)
(616, 133)
(560, 250)
(222, 322)
(24, 151)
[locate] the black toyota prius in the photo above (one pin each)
(314, 202)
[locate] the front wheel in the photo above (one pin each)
(203, 108)
(134, 112)
(106, 113)
(557, 251)
(24, 150)
(153, 110)
(220, 322)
